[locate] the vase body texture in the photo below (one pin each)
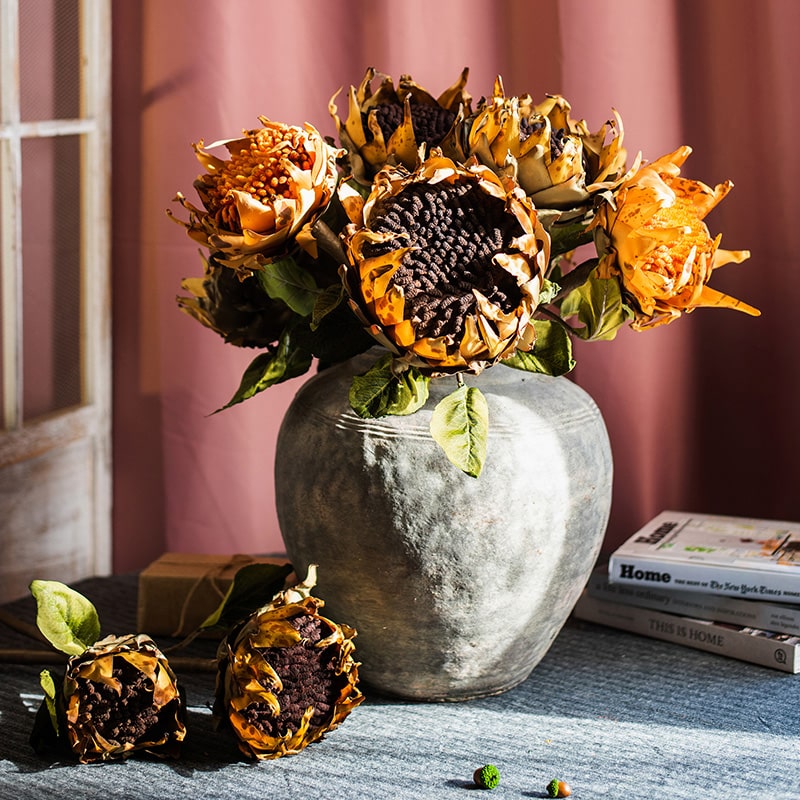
(457, 586)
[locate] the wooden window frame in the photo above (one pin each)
(19, 438)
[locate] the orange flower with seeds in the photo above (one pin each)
(658, 245)
(445, 265)
(278, 179)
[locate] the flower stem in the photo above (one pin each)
(329, 241)
(575, 278)
(551, 315)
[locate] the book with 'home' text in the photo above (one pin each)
(734, 556)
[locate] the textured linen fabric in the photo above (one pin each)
(613, 714)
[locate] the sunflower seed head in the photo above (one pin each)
(453, 231)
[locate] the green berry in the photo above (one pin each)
(487, 777)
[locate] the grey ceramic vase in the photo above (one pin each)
(457, 586)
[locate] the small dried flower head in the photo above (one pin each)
(487, 776)
(390, 126)
(235, 305)
(286, 677)
(445, 265)
(658, 246)
(277, 180)
(556, 159)
(120, 696)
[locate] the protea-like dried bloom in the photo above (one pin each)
(446, 265)
(389, 126)
(660, 248)
(556, 159)
(235, 306)
(286, 676)
(120, 696)
(278, 179)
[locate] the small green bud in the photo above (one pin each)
(487, 777)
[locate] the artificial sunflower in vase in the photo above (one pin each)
(444, 235)
(435, 243)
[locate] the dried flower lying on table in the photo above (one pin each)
(118, 695)
(286, 675)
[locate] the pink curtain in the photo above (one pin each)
(700, 413)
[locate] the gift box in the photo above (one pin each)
(178, 591)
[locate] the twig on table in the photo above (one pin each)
(20, 626)
(22, 656)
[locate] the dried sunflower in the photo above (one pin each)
(278, 179)
(286, 675)
(389, 126)
(445, 265)
(120, 696)
(556, 159)
(658, 245)
(235, 306)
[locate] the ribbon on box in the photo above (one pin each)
(212, 576)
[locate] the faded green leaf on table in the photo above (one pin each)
(49, 688)
(460, 426)
(66, 618)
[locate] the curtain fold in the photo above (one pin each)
(700, 412)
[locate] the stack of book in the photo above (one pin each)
(728, 585)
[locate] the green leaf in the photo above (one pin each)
(65, 617)
(338, 335)
(568, 229)
(599, 306)
(381, 390)
(460, 426)
(267, 369)
(551, 354)
(49, 687)
(44, 736)
(253, 586)
(327, 302)
(548, 293)
(284, 280)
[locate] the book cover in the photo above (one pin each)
(732, 556)
(778, 617)
(776, 650)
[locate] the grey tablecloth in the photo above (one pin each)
(614, 714)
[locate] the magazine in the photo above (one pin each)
(776, 650)
(778, 617)
(734, 556)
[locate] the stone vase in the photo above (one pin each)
(457, 586)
